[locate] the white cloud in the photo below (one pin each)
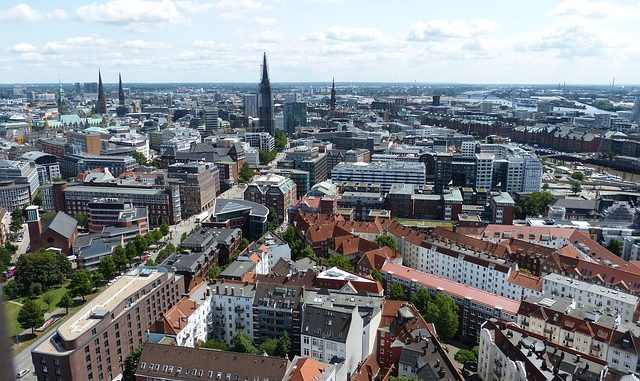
(74, 43)
(208, 45)
(142, 44)
(264, 21)
(58, 14)
(340, 33)
(239, 5)
(596, 9)
(441, 29)
(130, 11)
(23, 47)
(268, 36)
(20, 12)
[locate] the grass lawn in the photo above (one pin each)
(57, 295)
(11, 309)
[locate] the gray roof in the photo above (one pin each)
(576, 203)
(222, 205)
(237, 269)
(63, 224)
(331, 323)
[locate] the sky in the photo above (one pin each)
(536, 42)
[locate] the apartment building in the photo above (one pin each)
(273, 191)
(199, 185)
(385, 174)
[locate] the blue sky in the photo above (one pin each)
(577, 41)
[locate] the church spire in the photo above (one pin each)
(120, 91)
(101, 105)
(332, 101)
(265, 101)
(265, 71)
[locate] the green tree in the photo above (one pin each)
(402, 378)
(151, 263)
(131, 364)
(131, 251)
(576, 187)
(17, 219)
(396, 292)
(214, 272)
(545, 186)
(30, 315)
(96, 279)
(421, 299)
(283, 348)
(65, 302)
(386, 240)
(83, 220)
(466, 357)
(120, 258)
(140, 158)
(47, 299)
(37, 199)
(308, 252)
(273, 221)
(281, 139)
(443, 313)
(534, 204)
(246, 173)
(266, 157)
(35, 289)
(269, 346)
(12, 290)
(164, 229)
(577, 175)
(615, 247)
(214, 344)
(44, 267)
(339, 261)
(243, 344)
(140, 245)
(47, 217)
(376, 275)
(107, 266)
(244, 243)
(81, 283)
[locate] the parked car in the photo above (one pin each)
(22, 373)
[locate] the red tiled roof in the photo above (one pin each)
(526, 280)
(452, 288)
(308, 369)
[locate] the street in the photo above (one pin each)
(23, 359)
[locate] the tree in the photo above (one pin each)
(339, 261)
(35, 289)
(273, 221)
(120, 259)
(386, 240)
(308, 252)
(47, 217)
(269, 346)
(246, 173)
(12, 289)
(284, 346)
(107, 266)
(37, 199)
(266, 157)
(17, 219)
(396, 292)
(443, 313)
(377, 276)
(243, 244)
(151, 263)
(576, 187)
(466, 357)
(65, 302)
(214, 344)
(243, 344)
(281, 139)
(577, 175)
(81, 283)
(131, 364)
(164, 229)
(421, 299)
(96, 279)
(47, 298)
(140, 158)
(30, 315)
(615, 247)
(131, 251)
(83, 220)
(44, 267)
(140, 245)
(534, 204)
(545, 186)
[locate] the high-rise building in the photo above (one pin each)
(636, 110)
(210, 120)
(295, 114)
(101, 105)
(484, 170)
(265, 101)
(250, 104)
(199, 185)
(332, 101)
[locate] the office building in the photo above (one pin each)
(484, 170)
(114, 212)
(273, 191)
(295, 115)
(199, 185)
(250, 217)
(250, 105)
(260, 140)
(94, 343)
(73, 164)
(20, 172)
(46, 164)
(307, 159)
(14, 195)
(211, 122)
(385, 174)
(84, 142)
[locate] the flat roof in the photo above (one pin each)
(122, 190)
(590, 287)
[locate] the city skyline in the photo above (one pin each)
(178, 41)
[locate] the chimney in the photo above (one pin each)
(233, 289)
(226, 289)
(208, 291)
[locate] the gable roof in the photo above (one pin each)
(63, 224)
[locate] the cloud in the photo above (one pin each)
(121, 12)
(439, 29)
(268, 36)
(141, 44)
(209, 45)
(596, 9)
(239, 5)
(58, 14)
(352, 34)
(20, 12)
(74, 43)
(264, 21)
(23, 47)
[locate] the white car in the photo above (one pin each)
(22, 373)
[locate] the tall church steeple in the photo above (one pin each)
(120, 91)
(101, 105)
(332, 102)
(265, 101)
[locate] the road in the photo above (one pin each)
(22, 246)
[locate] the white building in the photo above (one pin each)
(260, 140)
(588, 294)
(189, 317)
(469, 148)
(385, 174)
(484, 169)
(231, 310)
(252, 155)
